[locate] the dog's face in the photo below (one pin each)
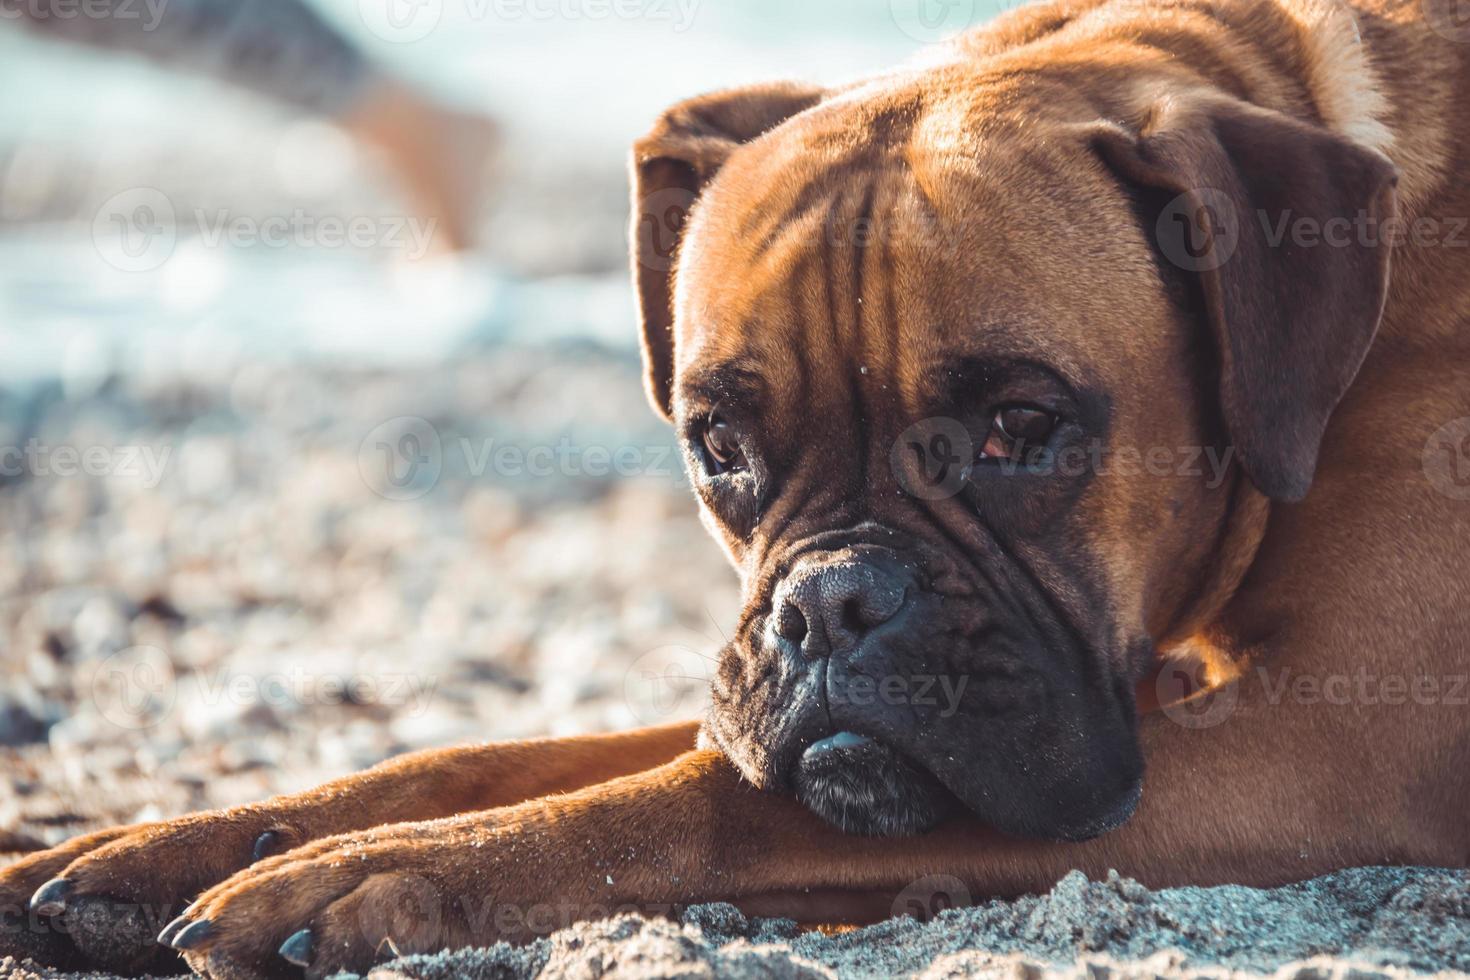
(952, 420)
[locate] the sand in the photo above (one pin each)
(1360, 924)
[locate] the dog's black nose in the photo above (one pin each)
(828, 608)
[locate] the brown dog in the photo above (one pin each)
(948, 349)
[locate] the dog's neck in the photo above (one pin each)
(1379, 74)
(1339, 75)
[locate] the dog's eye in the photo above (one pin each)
(1017, 433)
(721, 446)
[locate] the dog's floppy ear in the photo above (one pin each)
(1286, 226)
(671, 165)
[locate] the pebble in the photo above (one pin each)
(24, 716)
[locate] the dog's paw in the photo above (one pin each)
(101, 900)
(342, 903)
(27, 934)
(352, 901)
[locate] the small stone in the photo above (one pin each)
(24, 717)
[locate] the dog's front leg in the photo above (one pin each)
(1244, 800)
(101, 899)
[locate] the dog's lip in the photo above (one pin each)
(1110, 821)
(849, 742)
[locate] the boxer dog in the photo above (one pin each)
(946, 348)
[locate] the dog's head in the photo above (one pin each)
(971, 380)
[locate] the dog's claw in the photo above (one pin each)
(265, 845)
(166, 937)
(190, 936)
(297, 949)
(50, 898)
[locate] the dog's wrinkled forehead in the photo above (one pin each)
(887, 252)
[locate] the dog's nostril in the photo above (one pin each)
(832, 607)
(790, 623)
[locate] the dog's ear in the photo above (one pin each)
(1287, 229)
(671, 165)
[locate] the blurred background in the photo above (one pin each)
(321, 429)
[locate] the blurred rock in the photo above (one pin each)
(24, 716)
